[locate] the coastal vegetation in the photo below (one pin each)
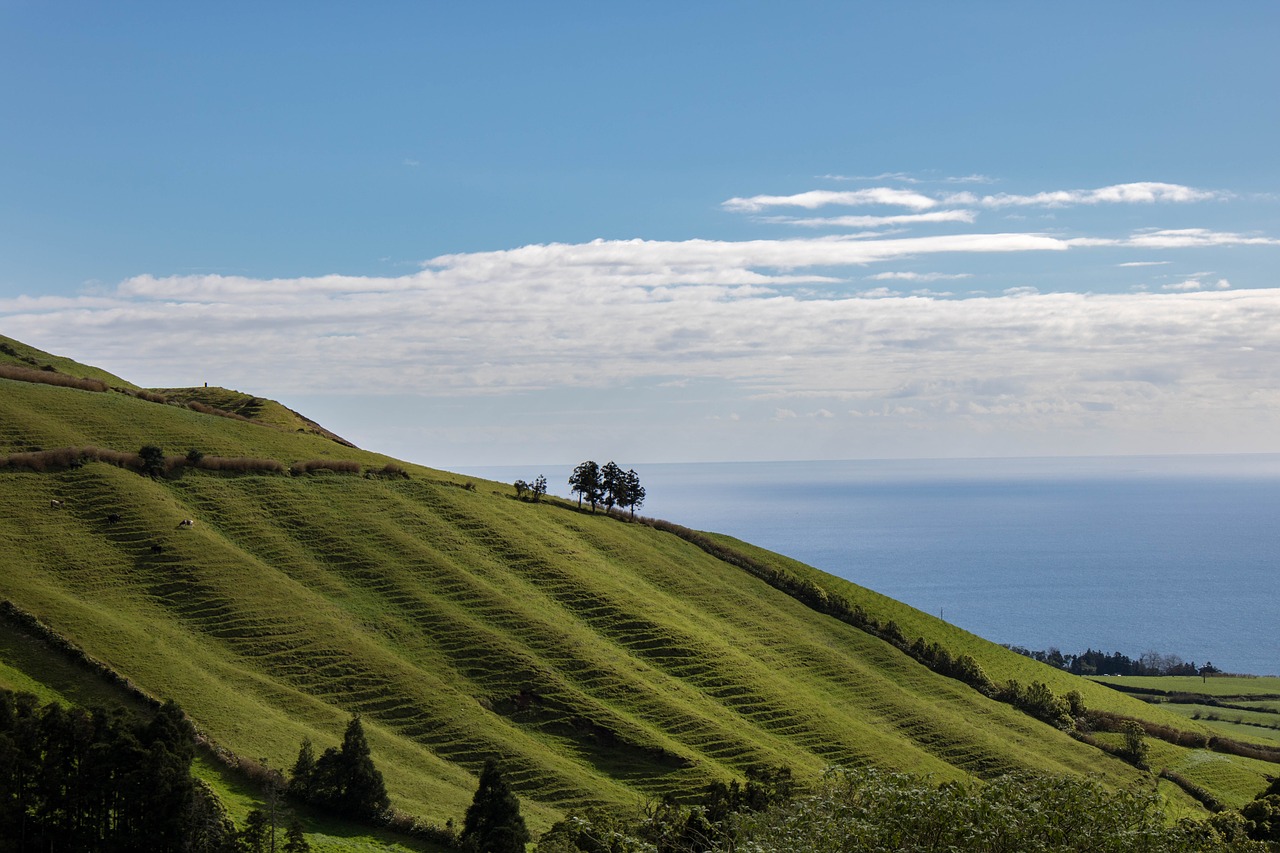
(606, 662)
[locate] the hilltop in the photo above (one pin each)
(603, 662)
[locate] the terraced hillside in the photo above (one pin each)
(602, 661)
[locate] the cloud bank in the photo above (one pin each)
(778, 320)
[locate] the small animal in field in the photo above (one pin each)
(113, 518)
(55, 504)
(187, 522)
(157, 549)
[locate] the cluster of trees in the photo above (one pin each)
(534, 490)
(608, 485)
(709, 823)
(343, 779)
(874, 810)
(1100, 663)
(97, 780)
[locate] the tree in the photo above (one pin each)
(295, 841)
(1135, 744)
(585, 481)
(521, 487)
(613, 484)
(344, 780)
(364, 794)
(493, 823)
(302, 778)
(539, 488)
(633, 492)
(152, 460)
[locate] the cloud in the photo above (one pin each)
(1193, 284)
(786, 321)
(1182, 238)
(877, 221)
(1142, 192)
(821, 198)
(1145, 192)
(918, 276)
(1143, 264)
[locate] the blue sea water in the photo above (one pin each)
(1178, 555)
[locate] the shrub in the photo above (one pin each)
(240, 464)
(50, 377)
(338, 466)
(873, 810)
(152, 458)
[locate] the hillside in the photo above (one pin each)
(603, 662)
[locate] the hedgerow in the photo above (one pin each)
(50, 377)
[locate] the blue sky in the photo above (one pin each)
(496, 233)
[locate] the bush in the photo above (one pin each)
(240, 464)
(338, 466)
(873, 810)
(50, 377)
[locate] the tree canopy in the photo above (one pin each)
(493, 823)
(609, 485)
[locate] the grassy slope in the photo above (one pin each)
(647, 665)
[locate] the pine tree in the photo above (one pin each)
(302, 777)
(362, 790)
(295, 841)
(493, 823)
(585, 480)
(613, 485)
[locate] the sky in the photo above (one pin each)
(508, 233)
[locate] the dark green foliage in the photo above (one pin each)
(612, 484)
(194, 456)
(632, 497)
(1263, 816)
(593, 831)
(1135, 742)
(255, 835)
(585, 483)
(343, 780)
(301, 779)
(294, 839)
(709, 824)
(871, 810)
(152, 459)
(493, 823)
(94, 780)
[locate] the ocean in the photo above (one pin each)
(1179, 555)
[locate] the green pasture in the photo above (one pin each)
(601, 662)
(1218, 686)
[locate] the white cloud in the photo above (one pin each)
(1143, 264)
(1142, 192)
(1192, 284)
(1145, 192)
(918, 276)
(877, 221)
(821, 198)
(1181, 238)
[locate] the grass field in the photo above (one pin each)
(1218, 686)
(601, 662)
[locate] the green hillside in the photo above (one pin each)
(603, 662)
